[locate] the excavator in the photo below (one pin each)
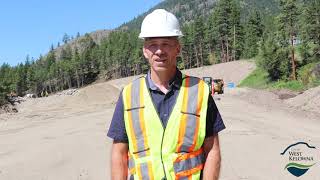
(215, 85)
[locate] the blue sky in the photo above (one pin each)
(30, 27)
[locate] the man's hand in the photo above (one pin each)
(119, 161)
(213, 158)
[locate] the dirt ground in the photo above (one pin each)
(63, 137)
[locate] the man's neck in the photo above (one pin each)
(162, 79)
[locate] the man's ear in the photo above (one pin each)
(145, 52)
(178, 48)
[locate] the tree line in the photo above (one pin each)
(283, 43)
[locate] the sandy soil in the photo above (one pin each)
(308, 100)
(63, 137)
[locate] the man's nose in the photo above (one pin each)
(159, 50)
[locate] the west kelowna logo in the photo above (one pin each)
(301, 157)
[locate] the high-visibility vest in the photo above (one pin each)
(174, 152)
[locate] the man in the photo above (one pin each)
(165, 125)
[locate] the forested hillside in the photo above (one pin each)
(187, 10)
(284, 35)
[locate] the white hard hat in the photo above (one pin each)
(160, 23)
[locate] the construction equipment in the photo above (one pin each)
(218, 86)
(215, 85)
(208, 80)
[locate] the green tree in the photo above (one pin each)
(199, 47)
(66, 53)
(187, 53)
(253, 33)
(288, 29)
(8, 81)
(227, 29)
(50, 59)
(21, 81)
(273, 57)
(310, 31)
(65, 38)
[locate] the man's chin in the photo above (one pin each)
(163, 69)
(160, 69)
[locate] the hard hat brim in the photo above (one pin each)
(143, 36)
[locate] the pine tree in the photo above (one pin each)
(236, 31)
(7, 82)
(273, 57)
(66, 53)
(76, 66)
(50, 59)
(188, 54)
(65, 38)
(227, 29)
(51, 47)
(253, 34)
(21, 82)
(288, 29)
(310, 31)
(199, 47)
(31, 80)
(222, 26)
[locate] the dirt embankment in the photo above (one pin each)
(230, 72)
(307, 101)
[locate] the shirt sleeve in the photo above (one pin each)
(214, 122)
(117, 130)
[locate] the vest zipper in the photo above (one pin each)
(164, 171)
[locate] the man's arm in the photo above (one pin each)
(213, 158)
(119, 161)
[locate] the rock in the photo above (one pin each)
(30, 96)
(69, 92)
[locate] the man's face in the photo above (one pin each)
(161, 52)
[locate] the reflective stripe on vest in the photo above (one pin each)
(184, 148)
(131, 164)
(190, 119)
(144, 171)
(136, 119)
(137, 126)
(188, 163)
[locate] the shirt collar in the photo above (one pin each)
(176, 81)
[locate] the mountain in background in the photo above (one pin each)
(185, 10)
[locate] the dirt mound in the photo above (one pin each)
(285, 93)
(261, 98)
(308, 101)
(102, 94)
(97, 94)
(234, 71)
